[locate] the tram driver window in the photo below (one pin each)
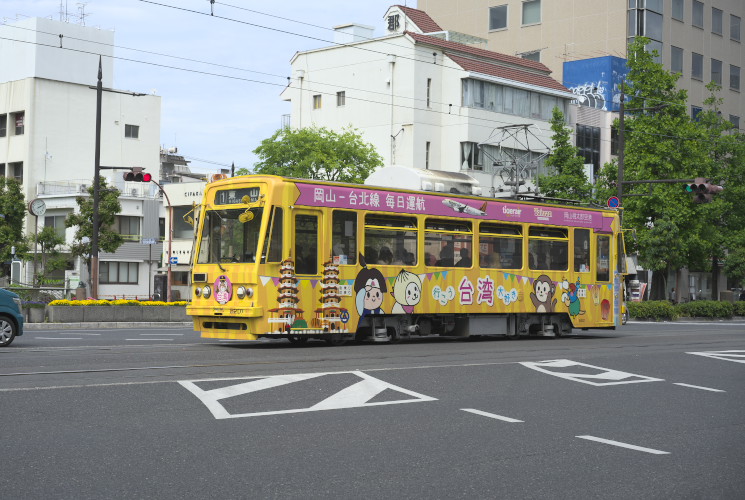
(273, 239)
(582, 250)
(603, 263)
(344, 237)
(306, 244)
(548, 249)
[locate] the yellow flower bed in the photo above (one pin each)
(91, 302)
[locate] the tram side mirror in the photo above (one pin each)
(246, 216)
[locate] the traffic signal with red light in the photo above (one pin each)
(702, 189)
(136, 174)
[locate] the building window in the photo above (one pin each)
(129, 227)
(532, 56)
(676, 59)
(3, 125)
(429, 90)
(470, 156)
(498, 17)
(508, 100)
(15, 171)
(132, 131)
(734, 28)
(735, 121)
(317, 101)
(678, 10)
(341, 98)
(426, 155)
(57, 222)
(716, 21)
(697, 66)
(531, 12)
(716, 71)
(18, 121)
(734, 77)
(695, 110)
(118, 272)
(614, 140)
(698, 14)
(588, 143)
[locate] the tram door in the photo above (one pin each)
(306, 226)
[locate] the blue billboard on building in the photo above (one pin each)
(596, 82)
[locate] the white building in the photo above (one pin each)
(425, 98)
(47, 141)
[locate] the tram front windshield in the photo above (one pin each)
(230, 235)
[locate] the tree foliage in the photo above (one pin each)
(568, 180)
(13, 210)
(108, 206)
(663, 142)
(48, 244)
(317, 153)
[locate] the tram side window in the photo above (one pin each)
(500, 246)
(603, 264)
(582, 250)
(390, 240)
(306, 244)
(448, 243)
(548, 249)
(273, 240)
(344, 236)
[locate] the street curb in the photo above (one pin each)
(99, 325)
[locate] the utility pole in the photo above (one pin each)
(96, 189)
(621, 146)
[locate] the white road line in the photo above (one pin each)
(624, 445)
(155, 334)
(491, 415)
(60, 338)
(136, 340)
(698, 387)
(65, 333)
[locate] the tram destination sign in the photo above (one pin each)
(364, 198)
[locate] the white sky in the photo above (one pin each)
(213, 120)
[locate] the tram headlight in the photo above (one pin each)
(249, 292)
(206, 291)
(241, 292)
(197, 291)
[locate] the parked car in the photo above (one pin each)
(11, 318)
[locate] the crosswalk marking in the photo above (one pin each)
(587, 374)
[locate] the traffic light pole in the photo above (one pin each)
(96, 218)
(170, 238)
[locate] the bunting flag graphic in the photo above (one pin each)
(265, 279)
(276, 281)
(313, 283)
(429, 276)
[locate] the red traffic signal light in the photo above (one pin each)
(137, 175)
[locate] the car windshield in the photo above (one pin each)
(230, 235)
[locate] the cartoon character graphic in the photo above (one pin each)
(407, 290)
(571, 299)
(223, 289)
(370, 288)
(543, 291)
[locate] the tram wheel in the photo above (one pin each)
(393, 336)
(336, 339)
(297, 339)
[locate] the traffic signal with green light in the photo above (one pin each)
(136, 174)
(702, 189)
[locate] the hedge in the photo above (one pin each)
(92, 302)
(662, 310)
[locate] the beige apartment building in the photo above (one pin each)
(701, 39)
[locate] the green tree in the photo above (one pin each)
(316, 153)
(48, 243)
(662, 142)
(568, 180)
(13, 210)
(108, 239)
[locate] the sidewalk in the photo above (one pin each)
(102, 324)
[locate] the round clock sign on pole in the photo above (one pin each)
(37, 207)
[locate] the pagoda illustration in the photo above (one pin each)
(328, 316)
(288, 315)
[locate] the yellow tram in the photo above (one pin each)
(300, 259)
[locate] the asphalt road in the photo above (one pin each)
(647, 411)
